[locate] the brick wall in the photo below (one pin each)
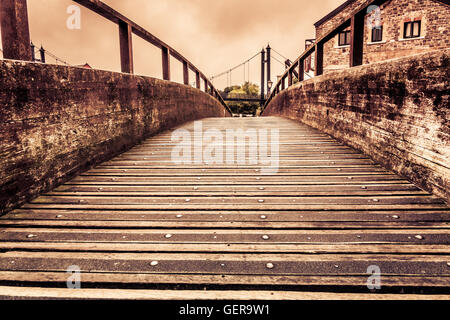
(57, 121)
(435, 17)
(396, 112)
(332, 23)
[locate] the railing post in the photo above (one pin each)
(290, 80)
(357, 40)
(319, 58)
(126, 47)
(33, 53)
(42, 53)
(185, 73)
(15, 30)
(206, 85)
(197, 79)
(301, 70)
(166, 63)
(282, 83)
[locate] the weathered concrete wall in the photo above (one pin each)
(57, 121)
(397, 112)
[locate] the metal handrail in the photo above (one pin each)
(109, 13)
(317, 48)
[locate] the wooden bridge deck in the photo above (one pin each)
(140, 226)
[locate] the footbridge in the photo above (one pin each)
(118, 186)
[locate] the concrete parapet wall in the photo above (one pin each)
(397, 112)
(57, 121)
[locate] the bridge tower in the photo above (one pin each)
(268, 55)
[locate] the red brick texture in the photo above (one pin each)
(58, 121)
(396, 112)
(435, 18)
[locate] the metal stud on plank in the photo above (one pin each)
(270, 266)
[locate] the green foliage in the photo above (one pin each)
(247, 90)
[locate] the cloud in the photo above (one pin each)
(212, 34)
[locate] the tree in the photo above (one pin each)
(247, 90)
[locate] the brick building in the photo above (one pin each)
(396, 28)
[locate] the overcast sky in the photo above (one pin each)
(213, 34)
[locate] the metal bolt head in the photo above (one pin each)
(270, 266)
(263, 217)
(419, 237)
(363, 187)
(168, 236)
(179, 215)
(375, 200)
(188, 200)
(260, 200)
(154, 263)
(261, 188)
(59, 216)
(265, 237)
(195, 188)
(31, 236)
(395, 217)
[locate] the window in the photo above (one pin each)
(377, 34)
(412, 29)
(344, 38)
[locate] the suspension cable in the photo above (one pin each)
(234, 68)
(279, 54)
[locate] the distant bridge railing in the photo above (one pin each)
(238, 97)
(16, 40)
(356, 22)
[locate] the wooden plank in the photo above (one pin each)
(321, 220)
(129, 294)
(228, 248)
(265, 237)
(111, 223)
